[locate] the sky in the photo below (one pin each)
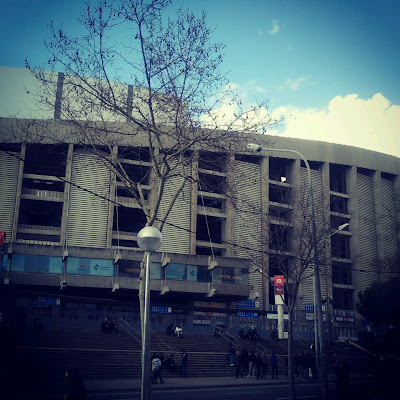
(330, 67)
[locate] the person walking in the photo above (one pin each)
(264, 357)
(156, 368)
(259, 366)
(238, 365)
(74, 388)
(252, 365)
(274, 365)
(184, 363)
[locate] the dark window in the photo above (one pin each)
(211, 183)
(342, 299)
(209, 228)
(280, 213)
(279, 169)
(337, 176)
(46, 159)
(341, 273)
(134, 153)
(128, 219)
(340, 245)
(206, 251)
(279, 194)
(137, 173)
(212, 161)
(43, 213)
(338, 204)
(278, 237)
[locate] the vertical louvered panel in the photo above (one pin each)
(389, 232)
(366, 230)
(9, 166)
(307, 286)
(176, 237)
(88, 214)
(247, 219)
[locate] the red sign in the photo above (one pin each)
(279, 282)
(3, 237)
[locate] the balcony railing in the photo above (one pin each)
(42, 193)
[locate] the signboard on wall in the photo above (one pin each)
(90, 266)
(161, 309)
(279, 282)
(246, 304)
(247, 314)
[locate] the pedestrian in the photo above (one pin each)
(74, 388)
(245, 360)
(252, 365)
(259, 366)
(178, 332)
(264, 357)
(232, 352)
(238, 365)
(170, 329)
(274, 365)
(184, 363)
(156, 366)
(296, 362)
(169, 363)
(342, 380)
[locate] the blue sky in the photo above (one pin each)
(330, 66)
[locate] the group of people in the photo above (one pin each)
(254, 365)
(251, 334)
(174, 330)
(109, 325)
(305, 362)
(158, 363)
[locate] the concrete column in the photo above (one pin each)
(111, 208)
(265, 229)
(193, 203)
(227, 225)
(18, 197)
(396, 187)
(67, 187)
(352, 209)
(377, 188)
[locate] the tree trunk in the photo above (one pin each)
(292, 386)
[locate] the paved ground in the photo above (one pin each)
(181, 383)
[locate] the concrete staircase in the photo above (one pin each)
(101, 355)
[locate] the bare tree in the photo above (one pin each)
(138, 76)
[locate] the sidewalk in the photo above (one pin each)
(182, 383)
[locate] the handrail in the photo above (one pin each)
(170, 349)
(130, 332)
(225, 335)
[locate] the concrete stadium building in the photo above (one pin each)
(71, 256)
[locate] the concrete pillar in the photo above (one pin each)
(265, 229)
(228, 209)
(352, 209)
(18, 197)
(377, 188)
(193, 203)
(112, 206)
(67, 187)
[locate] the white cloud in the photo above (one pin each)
(295, 84)
(372, 124)
(275, 28)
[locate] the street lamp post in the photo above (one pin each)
(318, 301)
(149, 240)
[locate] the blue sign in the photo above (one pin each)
(161, 309)
(48, 300)
(248, 304)
(247, 314)
(309, 307)
(90, 266)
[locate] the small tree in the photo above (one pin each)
(170, 107)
